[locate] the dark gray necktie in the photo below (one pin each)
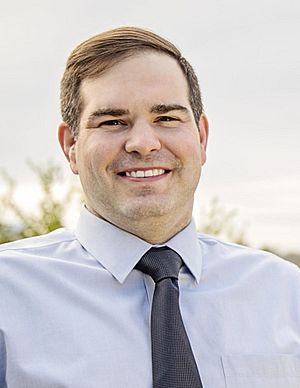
(173, 362)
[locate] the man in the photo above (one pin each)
(82, 309)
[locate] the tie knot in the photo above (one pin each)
(160, 263)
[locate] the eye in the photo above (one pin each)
(166, 118)
(111, 123)
(168, 121)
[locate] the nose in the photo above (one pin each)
(142, 138)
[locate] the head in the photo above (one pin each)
(96, 55)
(134, 131)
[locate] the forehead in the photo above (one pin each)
(147, 77)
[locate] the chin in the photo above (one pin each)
(142, 211)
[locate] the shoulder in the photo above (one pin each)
(242, 259)
(38, 243)
(252, 277)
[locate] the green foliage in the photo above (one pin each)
(50, 211)
(221, 222)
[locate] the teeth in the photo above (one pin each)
(148, 173)
(145, 173)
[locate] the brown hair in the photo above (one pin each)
(97, 54)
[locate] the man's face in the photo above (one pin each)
(138, 152)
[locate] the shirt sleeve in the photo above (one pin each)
(2, 361)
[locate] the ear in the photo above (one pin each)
(68, 145)
(203, 131)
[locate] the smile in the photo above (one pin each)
(145, 173)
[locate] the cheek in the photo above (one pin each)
(94, 154)
(189, 148)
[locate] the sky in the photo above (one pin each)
(247, 58)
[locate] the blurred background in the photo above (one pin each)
(247, 58)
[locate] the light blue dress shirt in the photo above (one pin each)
(75, 314)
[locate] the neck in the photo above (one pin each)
(154, 230)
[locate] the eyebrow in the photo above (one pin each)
(115, 112)
(162, 108)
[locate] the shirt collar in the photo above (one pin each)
(119, 251)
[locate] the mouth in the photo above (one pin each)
(145, 173)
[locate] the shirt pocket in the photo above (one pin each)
(261, 371)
